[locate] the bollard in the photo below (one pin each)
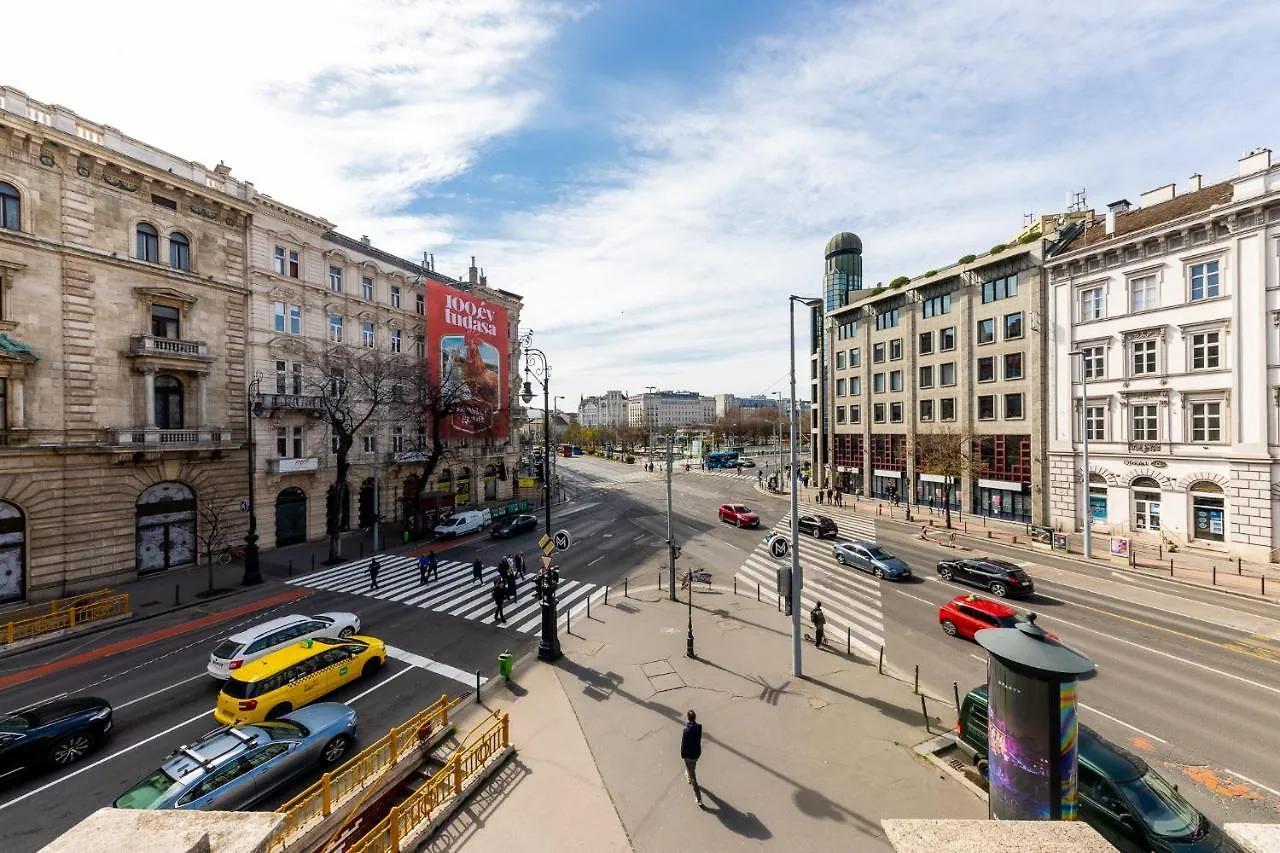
(916, 688)
(735, 584)
(988, 534)
(1239, 568)
(568, 629)
(477, 687)
(176, 600)
(1171, 568)
(881, 665)
(1215, 575)
(955, 688)
(1263, 578)
(659, 581)
(924, 709)
(848, 641)
(606, 595)
(588, 607)
(757, 590)
(966, 527)
(1015, 540)
(290, 567)
(626, 591)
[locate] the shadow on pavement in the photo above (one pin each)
(467, 821)
(745, 824)
(888, 709)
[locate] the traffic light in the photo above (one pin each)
(675, 552)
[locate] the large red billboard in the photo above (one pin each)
(468, 354)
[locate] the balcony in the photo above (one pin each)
(144, 438)
(299, 465)
(292, 402)
(409, 456)
(150, 345)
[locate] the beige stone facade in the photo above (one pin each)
(122, 316)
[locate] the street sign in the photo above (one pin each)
(563, 540)
(546, 561)
(244, 505)
(546, 545)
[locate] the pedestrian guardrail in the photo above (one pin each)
(64, 614)
(411, 818)
(337, 788)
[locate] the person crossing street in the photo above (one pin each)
(477, 572)
(499, 595)
(373, 573)
(433, 570)
(519, 560)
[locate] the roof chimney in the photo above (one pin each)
(364, 238)
(484, 279)
(1195, 182)
(1111, 222)
(473, 273)
(1158, 195)
(1258, 160)
(1121, 206)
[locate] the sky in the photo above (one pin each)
(654, 177)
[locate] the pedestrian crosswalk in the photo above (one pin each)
(453, 592)
(850, 598)
(731, 474)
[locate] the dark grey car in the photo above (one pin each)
(869, 557)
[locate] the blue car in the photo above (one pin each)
(870, 557)
(235, 766)
(56, 733)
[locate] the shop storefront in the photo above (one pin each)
(931, 491)
(848, 479)
(1003, 499)
(886, 484)
(1208, 512)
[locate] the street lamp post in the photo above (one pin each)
(535, 364)
(779, 394)
(1084, 433)
(252, 569)
(797, 586)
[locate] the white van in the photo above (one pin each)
(462, 523)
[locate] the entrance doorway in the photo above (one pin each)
(491, 483)
(166, 527)
(291, 517)
(13, 553)
(366, 503)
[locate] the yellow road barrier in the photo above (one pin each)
(76, 611)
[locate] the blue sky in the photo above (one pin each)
(655, 177)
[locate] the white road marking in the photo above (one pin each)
(975, 657)
(1251, 781)
(641, 536)
(596, 560)
(116, 754)
(162, 689)
(1121, 722)
(433, 666)
(383, 683)
(916, 597)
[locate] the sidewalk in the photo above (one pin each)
(788, 764)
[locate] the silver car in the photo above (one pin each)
(266, 637)
(870, 557)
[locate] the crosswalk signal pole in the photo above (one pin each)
(671, 545)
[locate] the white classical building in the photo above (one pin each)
(660, 409)
(606, 410)
(1169, 313)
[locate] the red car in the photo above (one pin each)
(739, 515)
(965, 615)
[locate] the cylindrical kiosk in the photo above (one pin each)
(1031, 722)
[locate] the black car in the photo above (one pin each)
(56, 734)
(514, 525)
(995, 576)
(819, 526)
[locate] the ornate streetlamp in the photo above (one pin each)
(535, 365)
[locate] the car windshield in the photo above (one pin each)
(282, 730)
(347, 641)
(741, 509)
(156, 788)
(226, 649)
(1007, 621)
(1159, 806)
(877, 552)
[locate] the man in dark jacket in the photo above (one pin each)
(477, 572)
(433, 570)
(499, 596)
(691, 751)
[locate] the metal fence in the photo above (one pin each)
(63, 614)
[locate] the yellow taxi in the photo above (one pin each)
(296, 675)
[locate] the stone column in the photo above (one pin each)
(149, 395)
(19, 404)
(202, 387)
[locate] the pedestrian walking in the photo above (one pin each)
(374, 568)
(433, 570)
(819, 620)
(817, 496)
(520, 565)
(499, 595)
(422, 568)
(691, 751)
(477, 572)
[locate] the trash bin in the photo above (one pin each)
(504, 665)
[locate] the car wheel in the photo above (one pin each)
(70, 749)
(840, 559)
(949, 628)
(335, 750)
(879, 573)
(738, 523)
(371, 668)
(279, 711)
(945, 573)
(982, 767)
(998, 589)
(347, 632)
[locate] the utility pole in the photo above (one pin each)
(797, 584)
(671, 545)
(377, 499)
(1084, 434)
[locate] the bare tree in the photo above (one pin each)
(215, 511)
(946, 452)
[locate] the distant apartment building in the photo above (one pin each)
(727, 403)
(662, 409)
(1165, 352)
(605, 410)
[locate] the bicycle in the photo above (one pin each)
(696, 576)
(226, 555)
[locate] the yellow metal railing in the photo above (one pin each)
(446, 785)
(333, 788)
(87, 608)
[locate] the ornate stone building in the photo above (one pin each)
(122, 319)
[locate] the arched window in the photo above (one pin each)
(1097, 499)
(1146, 503)
(1208, 512)
(10, 207)
(148, 243)
(168, 402)
(179, 251)
(13, 551)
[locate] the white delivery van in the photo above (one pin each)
(462, 523)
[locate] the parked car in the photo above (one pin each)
(870, 557)
(818, 526)
(1120, 795)
(264, 638)
(462, 523)
(233, 767)
(513, 525)
(746, 462)
(997, 577)
(739, 515)
(56, 733)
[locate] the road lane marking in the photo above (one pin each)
(641, 536)
(202, 715)
(1251, 781)
(1121, 722)
(979, 659)
(916, 597)
(161, 690)
(432, 666)
(596, 560)
(383, 683)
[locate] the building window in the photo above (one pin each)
(1143, 357)
(855, 414)
(855, 357)
(840, 414)
(1013, 407)
(987, 407)
(877, 353)
(895, 413)
(887, 320)
(1144, 422)
(289, 443)
(165, 322)
(395, 340)
(282, 377)
(895, 380)
(10, 207)
(855, 386)
(936, 306)
(179, 251)
(877, 413)
(947, 374)
(987, 369)
(1000, 288)
(1146, 504)
(4, 403)
(1095, 423)
(366, 287)
(295, 320)
(397, 439)
(841, 388)
(278, 309)
(1144, 293)
(877, 383)
(1013, 365)
(895, 349)
(277, 261)
(947, 339)
(337, 382)
(295, 269)
(283, 267)
(986, 330)
(947, 408)
(168, 402)
(1013, 326)
(420, 303)
(1205, 281)
(366, 331)
(926, 410)
(335, 279)
(419, 347)
(1208, 512)
(1092, 305)
(925, 346)
(370, 443)
(840, 360)
(1094, 362)
(926, 376)
(1206, 350)
(395, 296)
(296, 376)
(1206, 422)
(335, 328)
(148, 243)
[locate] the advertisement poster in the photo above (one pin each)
(1120, 550)
(468, 351)
(1041, 537)
(1060, 542)
(1022, 729)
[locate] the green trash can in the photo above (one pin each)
(504, 665)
